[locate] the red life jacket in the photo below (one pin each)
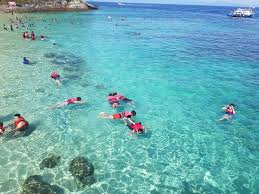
(112, 99)
(72, 100)
(20, 120)
(230, 111)
(137, 127)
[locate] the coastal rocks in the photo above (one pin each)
(35, 185)
(77, 4)
(48, 5)
(82, 170)
(50, 162)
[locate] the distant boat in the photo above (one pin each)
(120, 3)
(242, 13)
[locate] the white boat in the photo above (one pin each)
(242, 12)
(120, 3)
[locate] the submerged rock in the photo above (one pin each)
(82, 170)
(100, 86)
(35, 185)
(50, 55)
(50, 162)
(67, 59)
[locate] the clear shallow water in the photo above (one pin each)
(187, 63)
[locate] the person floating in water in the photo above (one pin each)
(2, 128)
(115, 98)
(25, 61)
(77, 100)
(229, 110)
(124, 116)
(56, 77)
(42, 37)
(20, 123)
(33, 37)
(114, 102)
(136, 128)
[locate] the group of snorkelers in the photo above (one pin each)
(114, 100)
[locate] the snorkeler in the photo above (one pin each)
(124, 116)
(115, 98)
(20, 123)
(114, 102)
(56, 77)
(77, 100)
(25, 61)
(229, 112)
(136, 128)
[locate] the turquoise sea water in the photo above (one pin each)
(187, 63)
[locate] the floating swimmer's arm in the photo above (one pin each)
(225, 107)
(125, 120)
(132, 122)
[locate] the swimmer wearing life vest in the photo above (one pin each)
(229, 112)
(115, 98)
(124, 115)
(77, 100)
(56, 78)
(114, 102)
(20, 123)
(2, 128)
(136, 128)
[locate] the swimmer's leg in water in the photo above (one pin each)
(225, 117)
(58, 105)
(104, 115)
